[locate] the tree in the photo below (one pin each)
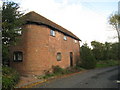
(87, 59)
(107, 51)
(114, 20)
(97, 50)
(11, 23)
(114, 51)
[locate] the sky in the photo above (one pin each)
(87, 19)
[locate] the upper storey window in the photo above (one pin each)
(65, 37)
(75, 41)
(52, 33)
(18, 30)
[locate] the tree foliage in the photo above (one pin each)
(114, 20)
(11, 23)
(87, 58)
(105, 51)
(99, 52)
(10, 78)
(97, 49)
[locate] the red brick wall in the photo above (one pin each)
(40, 50)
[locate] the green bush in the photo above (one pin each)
(72, 69)
(9, 78)
(5, 55)
(87, 59)
(48, 75)
(58, 70)
(78, 68)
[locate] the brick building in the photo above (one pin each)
(43, 44)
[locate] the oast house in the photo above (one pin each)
(43, 44)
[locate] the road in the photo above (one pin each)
(96, 78)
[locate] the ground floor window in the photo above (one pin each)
(59, 56)
(17, 56)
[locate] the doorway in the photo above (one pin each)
(71, 59)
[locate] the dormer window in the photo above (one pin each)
(65, 37)
(75, 41)
(52, 33)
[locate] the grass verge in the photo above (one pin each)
(107, 63)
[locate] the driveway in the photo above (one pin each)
(96, 78)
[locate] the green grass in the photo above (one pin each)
(106, 63)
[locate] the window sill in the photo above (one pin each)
(17, 61)
(52, 35)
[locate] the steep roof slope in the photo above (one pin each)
(35, 17)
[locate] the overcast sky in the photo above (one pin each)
(88, 19)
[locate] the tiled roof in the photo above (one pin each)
(36, 18)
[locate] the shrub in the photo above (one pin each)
(87, 58)
(58, 70)
(9, 78)
(78, 68)
(48, 75)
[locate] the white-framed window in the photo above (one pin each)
(65, 37)
(59, 56)
(75, 41)
(17, 56)
(52, 33)
(18, 30)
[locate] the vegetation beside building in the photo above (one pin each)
(58, 71)
(101, 55)
(88, 60)
(10, 78)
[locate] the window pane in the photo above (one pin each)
(52, 32)
(59, 56)
(14, 57)
(65, 38)
(75, 41)
(18, 30)
(17, 56)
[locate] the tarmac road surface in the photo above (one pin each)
(96, 78)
